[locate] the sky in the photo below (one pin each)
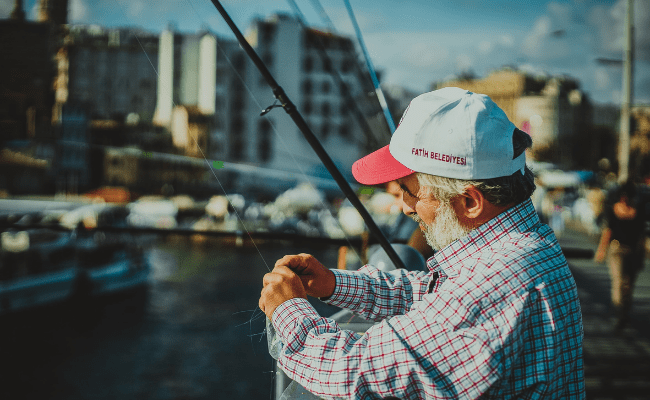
(414, 43)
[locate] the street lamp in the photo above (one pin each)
(624, 138)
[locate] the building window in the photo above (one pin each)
(307, 107)
(325, 87)
(346, 65)
(308, 64)
(237, 125)
(264, 142)
(238, 62)
(344, 87)
(136, 102)
(237, 103)
(268, 31)
(307, 87)
(324, 130)
(344, 131)
(325, 109)
(221, 77)
(310, 40)
(237, 139)
(236, 147)
(267, 58)
(327, 65)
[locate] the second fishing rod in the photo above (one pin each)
(297, 118)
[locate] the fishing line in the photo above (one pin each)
(371, 68)
(307, 133)
(208, 164)
(253, 317)
(339, 82)
(280, 138)
(321, 11)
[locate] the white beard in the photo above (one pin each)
(444, 229)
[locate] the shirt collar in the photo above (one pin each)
(517, 219)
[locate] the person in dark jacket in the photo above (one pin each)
(622, 243)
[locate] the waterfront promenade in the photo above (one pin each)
(617, 365)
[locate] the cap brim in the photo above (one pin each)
(379, 167)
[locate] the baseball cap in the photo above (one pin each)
(449, 132)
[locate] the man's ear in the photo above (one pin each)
(471, 204)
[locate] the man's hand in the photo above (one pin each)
(317, 279)
(280, 285)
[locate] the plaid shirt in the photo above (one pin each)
(496, 317)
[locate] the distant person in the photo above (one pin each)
(622, 242)
(496, 316)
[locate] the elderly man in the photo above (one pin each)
(497, 316)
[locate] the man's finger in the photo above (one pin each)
(284, 271)
(291, 261)
(271, 277)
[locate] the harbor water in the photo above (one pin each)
(194, 332)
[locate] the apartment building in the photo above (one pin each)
(553, 110)
(111, 72)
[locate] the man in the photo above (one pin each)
(623, 242)
(496, 317)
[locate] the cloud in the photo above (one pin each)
(506, 40)
(398, 49)
(533, 43)
(484, 46)
(533, 70)
(464, 63)
(609, 23)
(560, 14)
(368, 22)
(601, 76)
(78, 11)
(135, 9)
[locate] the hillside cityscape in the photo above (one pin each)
(87, 106)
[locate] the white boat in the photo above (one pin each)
(152, 213)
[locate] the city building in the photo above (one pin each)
(553, 110)
(219, 108)
(187, 81)
(311, 66)
(71, 168)
(27, 71)
(27, 99)
(111, 72)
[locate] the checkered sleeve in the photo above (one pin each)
(375, 294)
(502, 321)
(410, 356)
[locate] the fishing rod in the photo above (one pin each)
(381, 99)
(340, 83)
(297, 118)
(371, 68)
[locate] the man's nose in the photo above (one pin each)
(406, 209)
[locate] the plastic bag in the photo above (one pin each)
(294, 391)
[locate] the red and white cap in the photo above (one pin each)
(449, 132)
